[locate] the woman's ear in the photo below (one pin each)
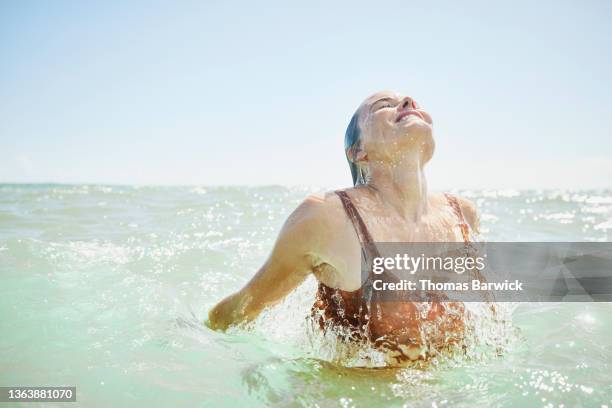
(361, 156)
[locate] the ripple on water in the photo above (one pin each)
(105, 287)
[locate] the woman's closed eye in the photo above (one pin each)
(384, 105)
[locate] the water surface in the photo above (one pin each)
(105, 288)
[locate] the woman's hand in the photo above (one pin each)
(223, 314)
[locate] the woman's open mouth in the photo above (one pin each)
(405, 114)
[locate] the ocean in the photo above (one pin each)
(107, 287)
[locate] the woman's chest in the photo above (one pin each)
(436, 228)
(342, 267)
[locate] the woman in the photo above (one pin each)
(388, 142)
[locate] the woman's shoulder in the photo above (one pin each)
(320, 201)
(327, 207)
(468, 207)
(321, 207)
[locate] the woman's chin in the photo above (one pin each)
(414, 122)
(418, 129)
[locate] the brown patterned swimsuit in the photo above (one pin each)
(394, 327)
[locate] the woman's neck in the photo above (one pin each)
(401, 185)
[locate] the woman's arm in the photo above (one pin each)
(288, 265)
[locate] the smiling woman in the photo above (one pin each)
(380, 105)
(187, 174)
(388, 142)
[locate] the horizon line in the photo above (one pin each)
(316, 186)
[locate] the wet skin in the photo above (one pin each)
(318, 238)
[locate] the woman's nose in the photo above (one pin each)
(407, 103)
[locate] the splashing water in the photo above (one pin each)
(106, 288)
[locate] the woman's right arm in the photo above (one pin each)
(290, 262)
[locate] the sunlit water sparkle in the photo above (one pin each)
(106, 288)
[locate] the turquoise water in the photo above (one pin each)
(105, 288)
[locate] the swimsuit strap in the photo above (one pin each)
(465, 229)
(365, 239)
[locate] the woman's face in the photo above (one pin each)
(394, 126)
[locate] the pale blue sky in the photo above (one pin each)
(251, 92)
